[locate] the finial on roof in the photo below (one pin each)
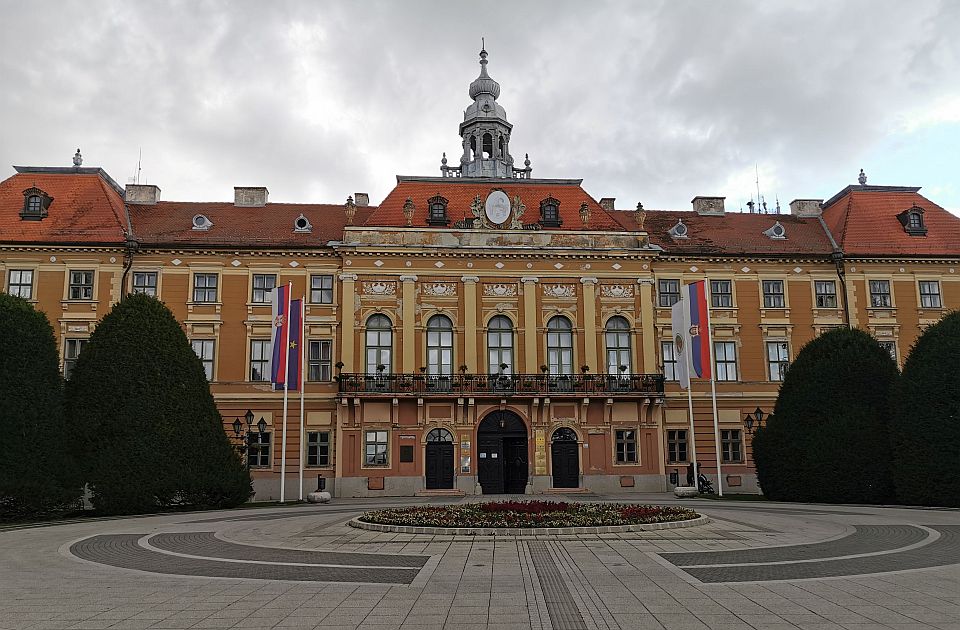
(444, 160)
(863, 178)
(526, 159)
(408, 210)
(77, 159)
(484, 84)
(585, 214)
(350, 209)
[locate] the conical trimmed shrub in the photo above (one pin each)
(925, 428)
(152, 436)
(38, 477)
(827, 439)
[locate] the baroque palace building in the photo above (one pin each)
(485, 330)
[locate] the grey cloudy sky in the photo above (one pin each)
(653, 101)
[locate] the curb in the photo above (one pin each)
(525, 531)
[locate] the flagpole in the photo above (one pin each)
(713, 393)
(303, 346)
(286, 389)
(688, 359)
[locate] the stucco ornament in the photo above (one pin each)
(559, 290)
(379, 288)
(616, 291)
(438, 289)
(500, 290)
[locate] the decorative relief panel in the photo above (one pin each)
(500, 290)
(438, 289)
(379, 288)
(616, 291)
(559, 291)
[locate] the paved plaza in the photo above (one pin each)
(754, 565)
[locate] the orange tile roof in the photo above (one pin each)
(460, 193)
(863, 220)
(86, 207)
(171, 223)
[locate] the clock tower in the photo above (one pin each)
(486, 135)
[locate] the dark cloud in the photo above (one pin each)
(657, 102)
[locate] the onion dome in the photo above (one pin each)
(484, 84)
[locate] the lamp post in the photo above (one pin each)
(245, 440)
(755, 418)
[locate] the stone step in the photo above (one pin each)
(443, 492)
(567, 491)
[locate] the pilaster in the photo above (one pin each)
(530, 324)
(347, 333)
(590, 324)
(648, 332)
(409, 314)
(470, 322)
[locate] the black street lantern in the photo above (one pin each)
(262, 425)
(248, 417)
(755, 418)
(237, 427)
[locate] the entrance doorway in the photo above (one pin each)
(565, 458)
(502, 449)
(439, 460)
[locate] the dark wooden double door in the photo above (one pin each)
(565, 457)
(439, 465)
(503, 462)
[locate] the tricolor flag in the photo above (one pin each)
(691, 334)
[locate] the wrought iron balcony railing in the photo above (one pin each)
(502, 385)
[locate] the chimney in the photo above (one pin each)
(708, 206)
(141, 194)
(607, 203)
(806, 207)
(361, 199)
(250, 197)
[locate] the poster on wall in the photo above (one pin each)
(464, 463)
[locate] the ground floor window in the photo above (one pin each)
(677, 445)
(70, 353)
(318, 448)
(626, 446)
(731, 441)
(259, 450)
(375, 448)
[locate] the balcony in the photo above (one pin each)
(501, 386)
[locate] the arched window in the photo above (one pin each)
(379, 344)
(550, 212)
(437, 211)
(473, 147)
(439, 435)
(560, 346)
(500, 345)
(914, 220)
(34, 204)
(503, 151)
(439, 346)
(487, 145)
(618, 346)
(564, 434)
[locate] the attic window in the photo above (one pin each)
(550, 213)
(301, 225)
(202, 223)
(679, 230)
(776, 232)
(35, 204)
(912, 221)
(437, 211)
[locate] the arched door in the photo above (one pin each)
(565, 459)
(439, 460)
(503, 463)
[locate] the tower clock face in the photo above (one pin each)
(497, 207)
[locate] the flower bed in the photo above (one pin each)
(529, 514)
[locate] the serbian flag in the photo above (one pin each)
(281, 321)
(691, 334)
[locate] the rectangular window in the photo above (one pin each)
(626, 446)
(321, 289)
(677, 445)
(778, 359)
(721, 293)
(375, 446)
(668, 292)
(319, 360)
(71, 351)
(930, 294)
(826, 291)
(263, 286)
(258, 453)
(260, 355)
(318, 448)
(669, 360)
(205, 287)
(880, 294)
(731, 442)
(204, 350)
(145, 282)
(725, 357)
(20, 283)
(891, 347)
(773, 294)
(81, 285)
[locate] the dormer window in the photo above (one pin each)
(437, 211)
(550, 213)
(35, 204)
(202, 223)
(301, 225)
(679, 230)
(912, 221)
(776, 232)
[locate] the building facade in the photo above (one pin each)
(483, 331)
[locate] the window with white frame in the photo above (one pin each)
(20, 283)
(676, 446)
(263, 286)
(145, 282)
(826, 293)
(205, 287)
(731, 443)
(71, 350)
(321, 289)
(617, 337)
(260, 354)
(439, 346)
(890, 347)
(318, 448)
(880, 294)
(773, 294)
(81, 285)
(721, 293)
(669, 360)
(204, 350)
(379, 337)
(626, 446)
(725, 358)
(375, 448)
(559, 346)
(668, 292)
(930, 294)
(319, 360)
(778, 360)
(258, 450)
(500, 345)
